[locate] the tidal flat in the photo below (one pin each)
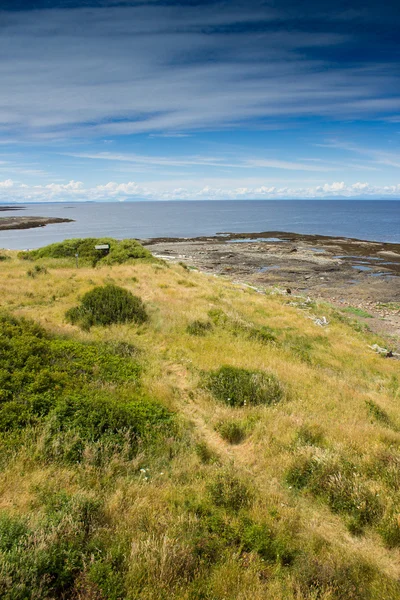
(347, 272)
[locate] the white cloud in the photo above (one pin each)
(76, 191)
(8, 183)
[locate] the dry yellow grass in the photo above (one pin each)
(326, 387)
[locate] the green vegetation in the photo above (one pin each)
(241, 387)
(227, 449)
(107, 305)
(359, 312)
(37, 270)
(340, 484)
(199, 327)
(233, 432)
(121, 251)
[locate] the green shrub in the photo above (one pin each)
(231, 431)
(199, 328)
(101, 424)
(228, 491)
(57, 384)
(4, 257)
(37, 270)
(106, 305)
(36, 370)
(120, 251)
(240, 387)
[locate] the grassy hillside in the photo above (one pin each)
(225, 448)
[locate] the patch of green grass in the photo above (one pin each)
(186, 283)
(107, 305)
(359, 312)
(263, 334)
(310, 435)
(241, 387)
(380, 415)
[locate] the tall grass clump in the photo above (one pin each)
(199, 328)
(232, 432)
(337, 482)
(241, 387)
(107, 305)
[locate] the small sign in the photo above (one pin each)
(102, 247)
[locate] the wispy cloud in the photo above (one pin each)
(159, 69)
(380, 157)
(203, 161)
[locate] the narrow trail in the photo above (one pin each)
(245, 455)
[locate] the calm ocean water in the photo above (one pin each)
(367, 220)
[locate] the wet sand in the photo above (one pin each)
(343, 271)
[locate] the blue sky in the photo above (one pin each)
(121, 100)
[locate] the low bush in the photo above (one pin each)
(57, 385)
(120, 251)
(231, 431)
(99, 427)
(37, 270)
(241, 387)
(199, 328)
(107, 305)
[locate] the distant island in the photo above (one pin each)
(27, 222)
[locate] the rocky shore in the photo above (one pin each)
(360, 275)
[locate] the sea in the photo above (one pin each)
(372, 220)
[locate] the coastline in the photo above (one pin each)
(7, 223)
(357, 275)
